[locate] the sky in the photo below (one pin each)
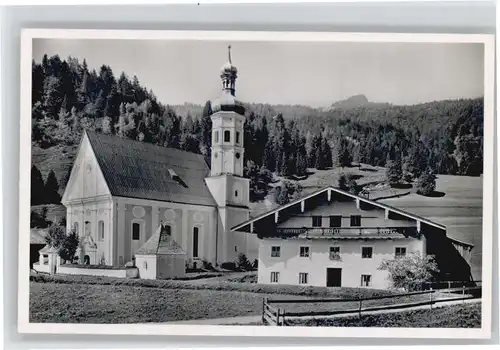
(314, 74)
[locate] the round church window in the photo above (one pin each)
(138, 212)
(169, 214)
(198, 217)
(238, 156)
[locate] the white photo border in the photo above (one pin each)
(25, 326)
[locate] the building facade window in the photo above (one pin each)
(304, 252)
(303, 277)
(168, 229)
(366, 252)
(366, 280)
(400, 252)
(196, 232)
(100, 228)
(275, 277)
(275, 251)
(216, 136)
(136, 231)
(335, 221)
(335, 253)
(238, 137)
(75, 228)
(317, 221)
(356, 220)
(227, 136)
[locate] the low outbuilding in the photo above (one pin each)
(161, 257)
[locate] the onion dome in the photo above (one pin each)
(227, 100)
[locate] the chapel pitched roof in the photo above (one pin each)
(160, 243)
(137, 169)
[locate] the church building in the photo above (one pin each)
(120, 191)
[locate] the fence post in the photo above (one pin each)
(360, 306)
(463, 293)
(278, 318)
(431, 292)
(263, 309)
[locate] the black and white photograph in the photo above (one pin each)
(215, 179)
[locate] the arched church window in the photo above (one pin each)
(168, 230)
(237, 137)
(75, 228)
(236, 193)
(216, 136)
(100, 227)
(227, 136)
(196, 231)
(136, 231)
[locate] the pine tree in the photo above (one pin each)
(269, 161)
(206, 130)
(51, 189)
(52, 96)
(37, 77)
(37, 187)
(344, 157)
(394, 171)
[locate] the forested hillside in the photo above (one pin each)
(443, 136)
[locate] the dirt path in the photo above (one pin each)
(256, 319)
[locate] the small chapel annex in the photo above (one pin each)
(120, 191)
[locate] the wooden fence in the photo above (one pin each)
(275, 316)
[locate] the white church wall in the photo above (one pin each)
(86, 180)
(136, 214)
(217, 188)
(85, 219)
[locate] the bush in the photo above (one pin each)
(347, 183)
(66, 244)
(56, 235)
(255, 264)
(207, 265)
(229, 265)
(69, 245)
(243, 262)
(426, 184)
(286, 192)
(410, 271)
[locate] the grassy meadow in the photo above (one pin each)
(460, 209)
(455, 316)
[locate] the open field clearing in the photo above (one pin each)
(121, 303)
(460, 209)
(455, 316)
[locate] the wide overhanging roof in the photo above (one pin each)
(242, 226)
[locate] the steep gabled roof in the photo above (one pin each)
(331, 188)
(160, 243)
(137, 169)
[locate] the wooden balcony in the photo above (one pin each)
(346, 232)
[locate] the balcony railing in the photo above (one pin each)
(345, 231)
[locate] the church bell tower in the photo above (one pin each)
(226, 182)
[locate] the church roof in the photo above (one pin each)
(160, 243)
(137, 169)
